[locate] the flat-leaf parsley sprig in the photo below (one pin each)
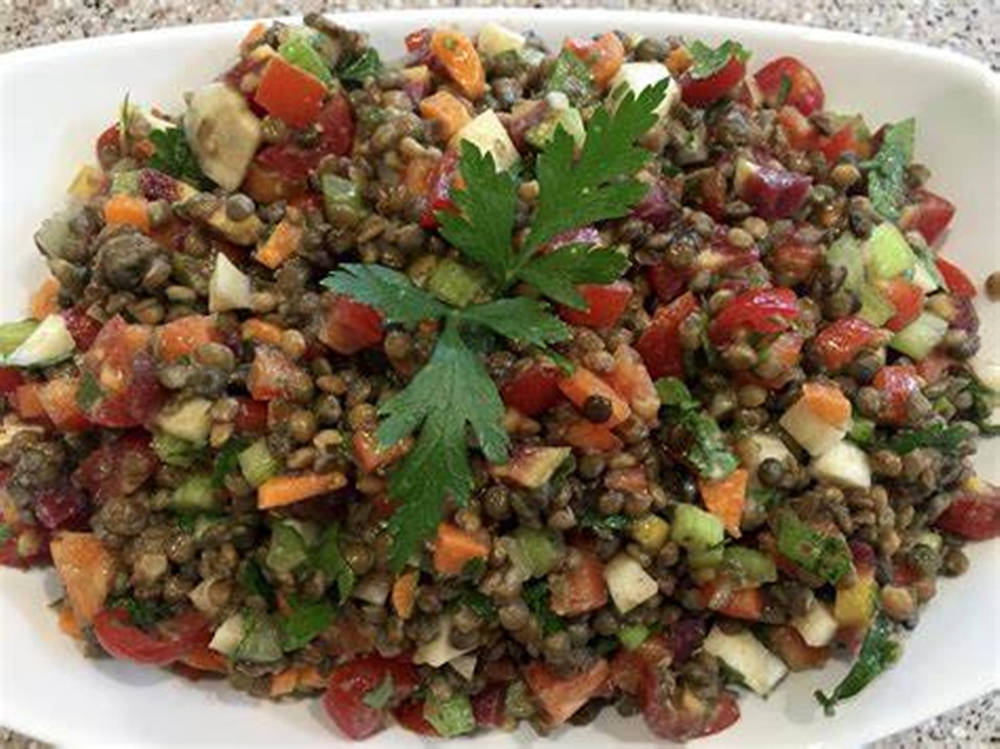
(453, 393)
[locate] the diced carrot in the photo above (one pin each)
(58, 399)
(281, 245)
(828, 403)
(604, 56)
(746, 603)
(418, 175)
(309, 676)
(561, 697)
(290, 93)
(581, 587)
(679, 60)
(68, 623)
(444, 108)
(630, 379)
(404, 593)
(259, 331)
(26, 402)
(128, 210)
(724, 498)
(252, 37)
(284, 490)
(183, 336)
(458, 55)
(284, 682)
(45, 300)
(632, 480)
(589, 437)
(583, 383)
(371, 457)
(206, 659)
(454, 547)
(86, 569)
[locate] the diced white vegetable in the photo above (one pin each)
(845, 465)
(373, 588)
(987, 371)
(557, 100)
(228, 636)
(817, 626)
(223, 133)
(628, 583)
(188, 421)
(487, 133)
(760, 668)
(810, 431)
(200, 598)
(229, 287)
(12, 426)
(439, 651)
(465, 666)
(763, 447)
(495, 39)
(50, 342)
(638, 76)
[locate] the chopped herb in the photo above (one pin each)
(479, 603)
(878, 652)
(174, 451)
(143, 613)
(707, 61)
(536, 596)
(227, 460)
(984, 401)
(330, 561)
(607, 523)
(706, 448)
(6, 532)
(303, 623)
(186, 522)
(379, 697)
(673, 392)
(823, 555)
(365, 65)
(474, 568)
(520, 319)
(887, 171)
(571, 76)
(173, 156)
(784, 88)
(765, 496)
(88, 393)
(947, 438)
(557, 274)
(862, 431)
(253, 581)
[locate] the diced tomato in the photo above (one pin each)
(533, 390)
(660, 344)
(61, 507)
(589, 437)
(561, 697)
(371, 457)
(336, 123)
(840, 342)
(293, 163)
(747, 603)
(776, 361)
(628, 666)
(177, 636)
(10, 380)
(351, 682)
(631, 380)
(930, 215)
(686, 717)
(895, 383)
(908, 300)
(581, 588)
(668, 283)
(793, 650)
(974, 514)
(800, 133)
(181, 337)
(933, 366)
(28, 546)
(605, 305)
(794, 262)
(418, 46)
(604, 55)
(955, 279)
(702, 92)
(350, 326)
(439, 189)
(489, 706)
(789, 77)
(410, 715)
(271, 374)
(58, 399)
(81, 326)
(758, 310)
(849, 139)
(711, 192)
(251, 416)
(289, 93)
(118, 468)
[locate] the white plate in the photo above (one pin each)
(53, 102)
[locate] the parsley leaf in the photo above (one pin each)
(675, 393)
(388, 290)
(536, 596)
(946, 438)
(599, 184)
(143, 613)
(365, 65)
(173, 156)
(608, 523)
(253, 581)
(303, 623)
(557, 274)
(878, 652)
(706, 448)
(520, 319)
(887, 175)
(707, 61)
(227, 460)
(485, 226)
(451, 391)
(330, 561)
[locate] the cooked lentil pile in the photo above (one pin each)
(498, 384)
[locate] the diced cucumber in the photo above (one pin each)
(197, 494)
(844, 465)
(299, 51)
(862, 430)
(49, 343)
(287, 549)
(13, 334)
(628, 583)
(925, 272)
(889, 254)
(495, 39)
(125, 183)
(188, 421)
(809, 430)
(921, 336)
(875, 308)
(847, 252)
(175, 451)
(633, 635)
(258, 464)
(248, 636)
(760, 668)
(228, 288)
(817, 626)
(455, 283)
(695, 529)
(749, 565)
(539, 550)
(340, 198)
(465, 665)
(650, 532)
(450, 717)
(705, 558)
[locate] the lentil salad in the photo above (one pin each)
(567, 519)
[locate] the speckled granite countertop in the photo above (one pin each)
(971, 27)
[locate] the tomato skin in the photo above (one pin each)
(845, 140)
(660, 344)
(907, 298)
(108, 141)
(628, 666)
(954, 277)
(410, 715)
(182, 634)
(533, 390)
(603, 55)
(605, 305)
(759, 310)
(795, 262)
(581, 588)
(27, 547)
(841, 341)
(118, 468)
(290, 94)
(351, 326)
(896, 383)
(930, 215)
(804, 93)
(293, 162)
(122, 365)
(675, 723)
(702, 92)
(61, 507)
(973, 515)
(351, 681)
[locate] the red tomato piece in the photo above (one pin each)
(370, 457)
(27, 547)
(789, 76)
(795, 262)
(350, 326)
(846, 140)
(841, 341)
(660, 344)
(561, 697)
(773, 192)
(270, 375)
(628, 667)
(801, 134)
(930, 215)
(682, 723)
(759, 310)
(336, 123)
(10, 380)
(350, 682)
(908, 300)
(605, 305)
(26, 403)
(439, 189)
(181, 337)
(58, 399)
(123, 368)
(896, 383)
(955, 279)
(702, 92)
(973, 514)
(61, 507)
(410, 715)
(747, 603)
(178, 637)
(668, 283)
(533, 390)
(289, 93)
(581, 588)
(490, 706)
(118, 468)
(81, 326)
(251, 416)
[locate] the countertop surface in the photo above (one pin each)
(971, 27)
